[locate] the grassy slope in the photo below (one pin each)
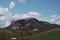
(49, 35)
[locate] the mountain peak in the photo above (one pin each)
(32, 23)
(27, 19)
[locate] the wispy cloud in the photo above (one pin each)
(6, 15)
(12, 5)
(22, 1)
(33, 13)
(3, 11)
(52, 19)
(26, 15)
(7, 18)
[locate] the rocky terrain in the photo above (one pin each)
(32, 23)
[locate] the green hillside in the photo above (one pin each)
(49, 35)
(25, 35)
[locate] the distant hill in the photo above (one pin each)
(32, 23)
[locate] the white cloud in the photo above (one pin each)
(53, 19)
(12, 5)
(16, 17)
(7, 23)
(22, 1)
(54, 16)
(3, 11)
(4, 19)
(4, 16)
(58, 22)
(33, 13)
(27, 15)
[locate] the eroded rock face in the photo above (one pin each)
(32, 23)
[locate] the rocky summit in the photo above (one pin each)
(32, 23)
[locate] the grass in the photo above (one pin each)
(49, 35)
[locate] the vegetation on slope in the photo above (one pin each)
(49, 35)
(29, 35)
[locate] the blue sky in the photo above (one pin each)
(45, 10)
(34, 5)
